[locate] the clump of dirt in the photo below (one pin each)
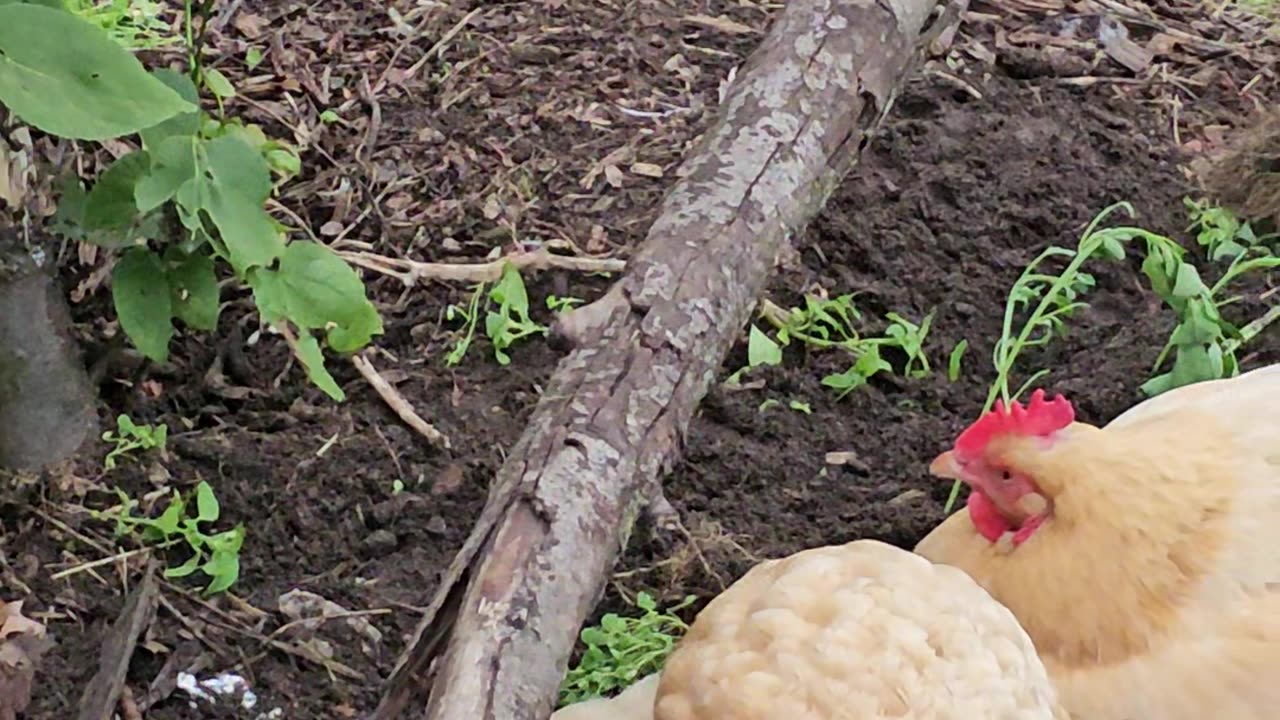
(1246, 178)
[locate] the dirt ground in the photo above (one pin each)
(512, 133)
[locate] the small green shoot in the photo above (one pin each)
(827, 323)
(504, 325)
(1204, 343)
(953, 361)
(1056, 298)
(129, 436)
(621, 650)
(216, 555)
(511, 322)
(562, 304)
(135, 24)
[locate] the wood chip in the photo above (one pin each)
(719, 23)
(646, 169)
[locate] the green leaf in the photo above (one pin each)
(67, 77)
(191, 565)
(224, 569)
(140, 289)
(239, 185)
(313, 360)
(173, 164)
(322, 291)
(953, 362)
(1188, 282)
(761, 349)
(253, 57)
(194, 288)
(182, 124)
(169, 520)
(110, 204)
(218, 83)
(207, 509)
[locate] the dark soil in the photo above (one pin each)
(954, 198)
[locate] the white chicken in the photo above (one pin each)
(860, 631)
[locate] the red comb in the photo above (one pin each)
(1039, 417)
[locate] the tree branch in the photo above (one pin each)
(497, 636)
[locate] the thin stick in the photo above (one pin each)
(397, 403)
(411, 271)
(1253, 329)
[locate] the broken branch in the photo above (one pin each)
(495, 639)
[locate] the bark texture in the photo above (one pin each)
(497, 636)
(46, 400)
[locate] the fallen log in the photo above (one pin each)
(495, 639)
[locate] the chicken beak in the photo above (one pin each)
(945, 466)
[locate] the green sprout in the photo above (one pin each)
(621, 650)
(216, 555)
(129, 436)
(1055, 299)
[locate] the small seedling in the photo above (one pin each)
(129, 436)
(953, 361)
(562, 304)
(510, 323)
(1054, 299)
(1203, 343)
(827, 323)
(216, 555)
(135, 24)
(505, 324)
(621, 650)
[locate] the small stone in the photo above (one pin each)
(379, 542)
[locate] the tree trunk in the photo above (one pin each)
(46, 399)
(497, 636)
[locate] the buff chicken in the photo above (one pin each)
(1143, 557)
(861, 631)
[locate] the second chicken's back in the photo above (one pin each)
(861, 631)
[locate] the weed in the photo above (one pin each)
(216, 555)
(562, 304)
(506, 319)
(129, 436)
(188, 202)
(1053, 299)
(828, 323)
(1203, 343)
(953, 360)
(621, 650)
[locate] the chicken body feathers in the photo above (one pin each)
(861, 631)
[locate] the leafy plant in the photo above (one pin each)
(1203, 343)
(189, 200)
(506, 320)
(621, 650)
(216, 555)
(44, 83)
(1052, 299)
(827, 323)
(135, 24)
(129, 436)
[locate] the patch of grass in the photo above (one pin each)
(215, 555)
(129, 436)
(621, 650)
